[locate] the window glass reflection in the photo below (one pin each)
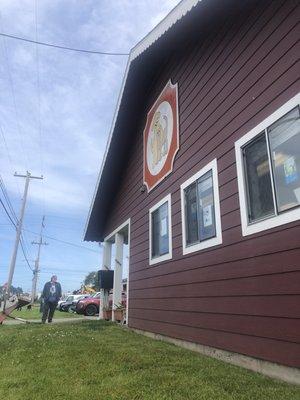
(284, 137)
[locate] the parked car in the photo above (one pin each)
(68, 299)
(63, 299)
(65, 305)
(72, 307)
(90, 306)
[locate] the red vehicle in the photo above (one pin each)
(90, 305)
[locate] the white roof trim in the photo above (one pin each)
(175, 15)
(108, 143)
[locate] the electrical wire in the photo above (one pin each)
(106, 53)
(9, 155)
(12, 211)
(24, 254)
(5, 144)
(7, 213)
(21, 241)
(13, 219)
(57, 270)
(63, 241)
(12, 87)
(48, 237)
(39, 121)
(49, 269)
(5, 194)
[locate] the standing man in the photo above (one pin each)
(51, 294)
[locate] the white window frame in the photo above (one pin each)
(212, 166)
(274, 220)
(167, 256)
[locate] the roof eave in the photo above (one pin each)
(175, 15)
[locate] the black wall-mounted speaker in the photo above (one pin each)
(105, 279)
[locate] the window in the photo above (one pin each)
(160, 231)
(201, 222)
(268, 167)
(258, 175)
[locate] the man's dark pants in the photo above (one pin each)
(48, 312)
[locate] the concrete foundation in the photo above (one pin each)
(281, 372)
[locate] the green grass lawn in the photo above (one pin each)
(100, 360)
(34, 313)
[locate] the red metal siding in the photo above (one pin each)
(243, 295)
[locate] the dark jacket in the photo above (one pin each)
(46, 291)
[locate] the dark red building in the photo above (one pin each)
(202, 179)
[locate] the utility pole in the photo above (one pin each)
(28, 176)
(37, 262)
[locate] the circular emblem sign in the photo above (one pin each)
(161, 137)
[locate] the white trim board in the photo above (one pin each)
(107, 239)
(187, 249)
(167, 256)
(276, 220)
(117, 230)
(159, 30)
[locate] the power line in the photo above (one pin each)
(21, 241)
(8, 153)
(3, 188)
(62, 241)
(18, 240)
(5, 144)
(12, 87)
(48, 269)
(7, 213)
(57, 270)
(6, 196)
(12, 211)
(48, 237)
(63, 47)
(24, 254)
(39, 121)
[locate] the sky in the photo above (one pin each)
(56, 110)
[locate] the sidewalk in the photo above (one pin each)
(19, 321)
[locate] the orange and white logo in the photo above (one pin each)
(161, 137)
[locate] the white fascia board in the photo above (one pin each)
(108, 144)
(175, 15)
(159, 30)
(117, 230)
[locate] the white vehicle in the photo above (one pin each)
(66, 304)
